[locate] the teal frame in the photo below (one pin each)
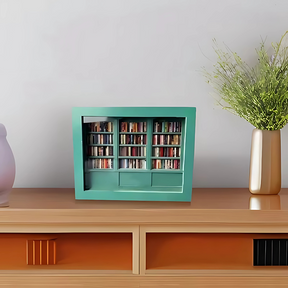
(184, 193)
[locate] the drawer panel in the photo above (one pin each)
(188, 251)
(135, 179)
(99, 251)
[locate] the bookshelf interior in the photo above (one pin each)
(143, 145)
(133, 154)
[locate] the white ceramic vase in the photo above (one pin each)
(7, 168)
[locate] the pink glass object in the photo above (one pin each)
(7, 168)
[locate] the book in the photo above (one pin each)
(100, 163)
(101, 144)
(165, 164)
(101, 127)
(133, 127)
(132, 164)
(165, 126)
(166, 152)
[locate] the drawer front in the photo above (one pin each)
(94, 251)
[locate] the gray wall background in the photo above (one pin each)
(56, 54)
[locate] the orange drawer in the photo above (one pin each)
(202, 250)
(100, 251)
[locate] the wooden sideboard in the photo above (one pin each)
(49, 239)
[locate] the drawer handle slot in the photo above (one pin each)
(270, 252)
(41, 252)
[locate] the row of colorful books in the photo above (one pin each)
(133, 139)
(100, 151)
(132, 163)
(166, 152)
(100, 139)
(133, 151)
(100, 163)
(101, 127)
(165, 126)
(159, 126)
(166, 139)
(166, 164)
(133, 126)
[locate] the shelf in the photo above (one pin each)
(167, 170)
(136, 133)
(159, 158)
(91, 132)
(100, 145)
(132, 157)
(132, 170)
(100, 169)
(171, 133)
(132, 145)
(159, 145)
(149, 170)
(100, 157)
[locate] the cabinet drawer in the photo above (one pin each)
(188, 251)
(99, 251)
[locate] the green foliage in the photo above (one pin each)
(258, 94)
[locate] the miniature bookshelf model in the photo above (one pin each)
(134, 153)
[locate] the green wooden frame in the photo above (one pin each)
(128, 190)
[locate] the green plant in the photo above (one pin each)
(258, 94)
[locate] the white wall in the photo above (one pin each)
(56, 54)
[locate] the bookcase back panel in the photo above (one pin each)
(118, 151)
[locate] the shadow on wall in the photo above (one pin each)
(221, 172)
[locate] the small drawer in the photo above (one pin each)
(135, 179)
(166, 179)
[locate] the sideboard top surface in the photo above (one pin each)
(202, 198)
(210, 207)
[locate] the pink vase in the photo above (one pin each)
(7, 168)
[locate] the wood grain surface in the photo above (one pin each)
(218, 206)
(93, 280)
(49, 210)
